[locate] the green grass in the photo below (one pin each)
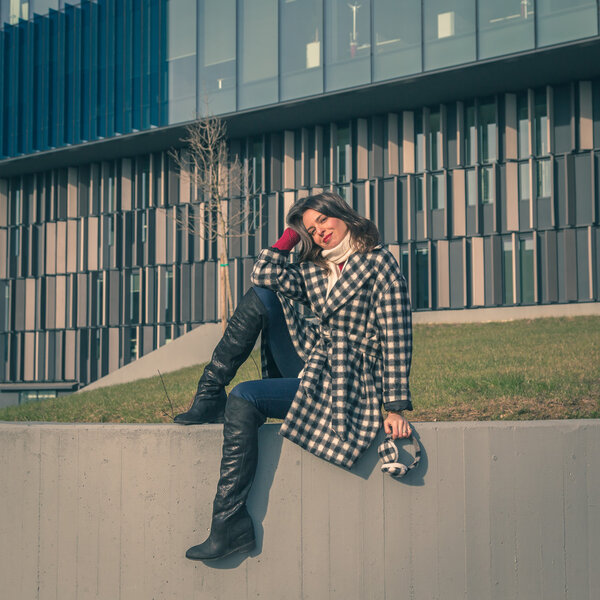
(535, 369)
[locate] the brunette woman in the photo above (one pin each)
(326, 374)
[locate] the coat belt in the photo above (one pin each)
(338, 349)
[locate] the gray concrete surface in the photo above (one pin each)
(495, 510)
(193, 348)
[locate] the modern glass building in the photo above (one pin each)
(468, 130)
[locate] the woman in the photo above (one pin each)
(356, 351)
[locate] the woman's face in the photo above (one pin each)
(326, 232)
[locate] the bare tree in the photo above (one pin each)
(216, 178)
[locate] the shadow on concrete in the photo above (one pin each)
(269, 452)
(370, 460)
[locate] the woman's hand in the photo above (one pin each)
(287, 241)
(397, 426)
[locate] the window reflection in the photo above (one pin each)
(217, 55)
(526, 265)
(258, 52)
(471, 183)
(181, 59)
(397, 43)
(487, 131)
(470, 133)
(437, 191)
(544, 179)
(523, 125)
(348, 43)
(540, 123)
(435, 140)
(507, 271)
(302, 48)
(561, 21)
(486, 185)
(505, 27)
(449, 32)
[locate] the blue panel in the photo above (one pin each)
(11, 90)
(93, 115)
(155, 56)
(120, 42)
(102, 24)
(86, 80)
(127, 53)
(69, 57)
(110, 68)
(136, 61)
(145, 66)
(60, 87)
(76, 104)
(29, 114)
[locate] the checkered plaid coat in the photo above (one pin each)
(356, 348)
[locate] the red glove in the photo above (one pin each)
(287, 241)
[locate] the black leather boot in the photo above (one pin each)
(231, 351)
(231, 528)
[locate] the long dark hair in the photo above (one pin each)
(363, 232)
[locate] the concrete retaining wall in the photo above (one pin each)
(495, 510)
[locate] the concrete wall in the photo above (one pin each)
(495, 510)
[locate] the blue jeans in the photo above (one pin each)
(273, 397)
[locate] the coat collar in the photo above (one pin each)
(355, 274)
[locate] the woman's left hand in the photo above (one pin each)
(397, 426)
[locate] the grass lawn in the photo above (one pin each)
(532, 369)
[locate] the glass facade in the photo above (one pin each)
(110, 67)
(302, 50)
(488, 201)
(505, 27)
(449, 29)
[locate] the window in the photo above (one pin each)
(133, 343)
(302, 52)
(449, 32)
(181, 59)
(505, 27)
(422, 277)
(438, 195)
(217, 63)
(526, 268)
(507, 272)
(471, 185)
(255, 162)
(258, 52)
(134, 297)
(99, 312)
(470, 134)
(523, 125)
(486, 185)
(524, 181)
(169, 295)
(397, 43)
(343, 153)
(419, 192)
(487, 131)
(540, 124)
(419, 142)
(560, 21)
(348, 47)
(544, 178)
(435, 140)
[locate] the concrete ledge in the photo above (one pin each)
(495, 510)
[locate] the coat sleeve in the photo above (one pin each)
(273, 270)
(394, 322)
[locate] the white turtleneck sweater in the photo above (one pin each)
(336, 256)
